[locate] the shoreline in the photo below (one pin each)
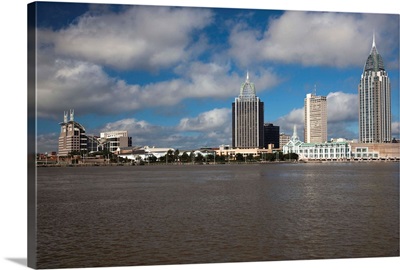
(218, 163)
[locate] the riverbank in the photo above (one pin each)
(214, 163)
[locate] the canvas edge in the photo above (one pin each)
(31, 130)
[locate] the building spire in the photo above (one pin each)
(373, 40)
(295, 137)
(247, 90)
(374, 50)
(374, 61)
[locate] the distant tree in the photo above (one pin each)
(239, 157)
(192, 156)
(269, 157)
(162, 159)
(185, 157)
(290, 156)
(152, 158)
(170, 156)
(199, 158)
(176, 155)
(220, 158)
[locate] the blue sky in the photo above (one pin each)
(169, 75)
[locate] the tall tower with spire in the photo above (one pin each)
(247, 118)
(374, 93)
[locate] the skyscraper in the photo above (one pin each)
(271, 135)
(72, 136)
(315, 119)
(374, 100)
(247, 118)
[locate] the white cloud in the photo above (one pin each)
(342, 107)
(86, 87)
(137, 37)
(342, 115)
(287, 122)
(315, 38)
(216, 119)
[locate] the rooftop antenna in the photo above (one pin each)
(71, 115)
(65, 117)
(315, 89)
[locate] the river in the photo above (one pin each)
(154, 215)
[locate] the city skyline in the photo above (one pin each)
(180, 96)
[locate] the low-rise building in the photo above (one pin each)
(112, 140)
(341, 150)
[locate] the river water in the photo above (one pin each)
(152, 215)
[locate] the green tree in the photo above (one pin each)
(239, 157)
(199, 158)
(176, 155)
(185, 157)
(170, 156)
(290, 156)
(152, 158)
(220, 158)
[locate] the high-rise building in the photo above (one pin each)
(247, 118)
(72, 137)
(374, 100)
(315, 119)
(271, 135)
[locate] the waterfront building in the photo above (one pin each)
(340, 150)
(112, 140)
(374, 100)
(247, 118)
(72, 136)
(317, 151)
(315, 119)
(230, 153)
(271, 135)
(382, 151)
(143, 153)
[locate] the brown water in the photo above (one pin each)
(151, 215)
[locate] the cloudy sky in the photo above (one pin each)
(168, 75)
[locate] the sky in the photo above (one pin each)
(168, 75)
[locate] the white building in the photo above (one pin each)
(317, 151)
(143, 153)
(315, 119)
